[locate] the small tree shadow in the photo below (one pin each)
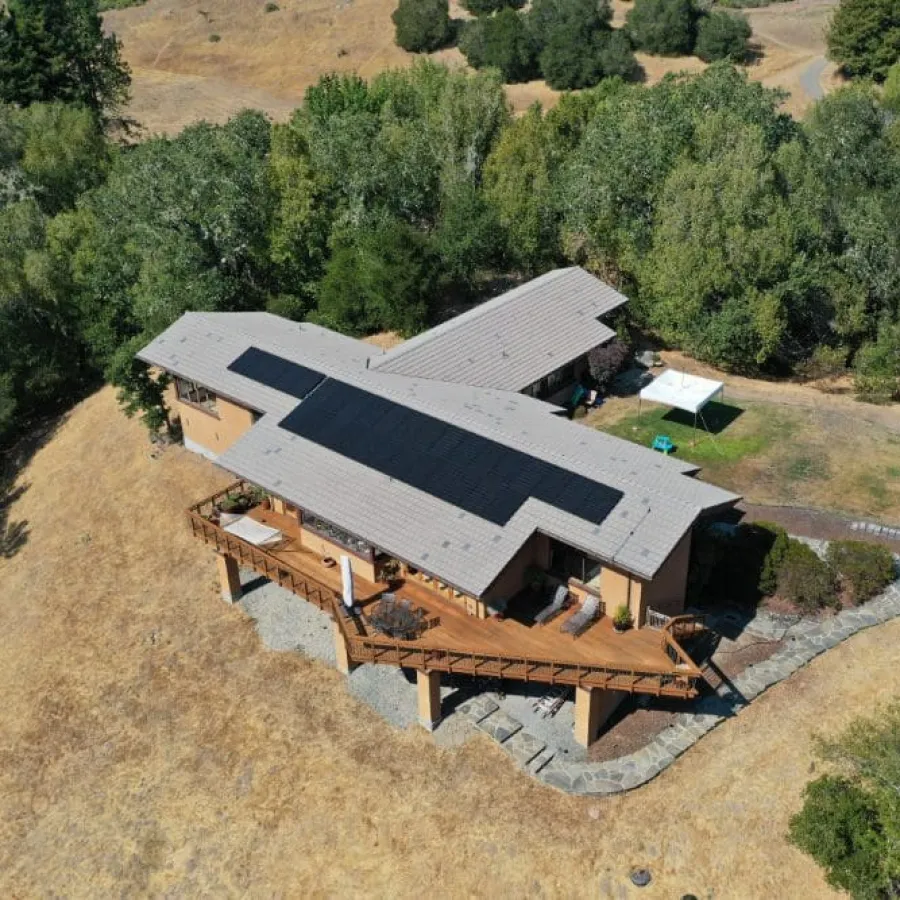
(714, 418)
(14, 534)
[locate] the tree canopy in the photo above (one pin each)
(55, 50)
(665, 27)
(864, 37)
(422, 25)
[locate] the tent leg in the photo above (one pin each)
(694, 437)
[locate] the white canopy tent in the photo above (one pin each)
(683, 391)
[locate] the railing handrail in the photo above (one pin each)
(361, 647)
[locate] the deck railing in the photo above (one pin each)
(363, 647)
(681, 627)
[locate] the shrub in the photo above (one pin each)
(486, 7)
(891, 96)
(215, 38)
(722, 35)
(825, 362)
(664, 27)
(877, 366)
(607, 360)
(422, 25)
(502, 42)
(774, 556)
(271, 7)
(805, 580)
(864, 569)
(839, 828)
(864, 37)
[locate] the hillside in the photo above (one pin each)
(182, 74)
(151, 745)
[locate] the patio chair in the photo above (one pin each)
(583, 618)
(663, 443)
(554, 607)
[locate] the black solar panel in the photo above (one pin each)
(473, 473)
(276, 372)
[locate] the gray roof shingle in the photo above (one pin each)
(656, 506)
(515, 339)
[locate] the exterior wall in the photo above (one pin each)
(472, 605)
(534, 552)
(205, 431)
(312, 541)
(666, 593)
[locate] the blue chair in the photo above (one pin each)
(663, 443)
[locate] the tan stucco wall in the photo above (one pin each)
(666, 593)
(213, 433)
(318, 545)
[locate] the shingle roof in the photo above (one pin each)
(654, 503)
(515, 339)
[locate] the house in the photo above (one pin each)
(444, 480)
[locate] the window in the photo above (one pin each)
(338, 536)
(196, 395)
(567, 562)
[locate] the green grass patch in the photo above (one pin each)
(104, 5)
(877, 489)
(893, 471)
(731, 433)
(806, 467)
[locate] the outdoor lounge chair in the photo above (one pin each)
(554, 607)
(255, 533)
(584, 618)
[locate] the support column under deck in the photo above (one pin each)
(593, 706)
(344, 666)
(229, 577)
(428, 687)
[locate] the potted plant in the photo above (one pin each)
(622, 620)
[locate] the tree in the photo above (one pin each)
(382, 276)
(839, 828)
(486, 7)
(850, 821)
(422, 25)
(722, 35)
(891, 96)
(877, 365)
(664, 27)
(502, 41)
(56, 50)
(577, 45)
(864, 37)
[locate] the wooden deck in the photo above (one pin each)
(641, 660)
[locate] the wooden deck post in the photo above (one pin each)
(428, 687)
(229, 577)
(593, 706)
(344, 666)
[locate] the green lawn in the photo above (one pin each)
(771, 453)
(725, 434)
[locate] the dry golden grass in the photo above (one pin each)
(267, 60)
(151, 745)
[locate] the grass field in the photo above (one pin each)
(152, 746)
(774, 453)
(266, 60)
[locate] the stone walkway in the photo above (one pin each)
(804, 641)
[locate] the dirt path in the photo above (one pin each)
(152, 746)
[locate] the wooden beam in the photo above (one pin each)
(341, 652)
(593, 706)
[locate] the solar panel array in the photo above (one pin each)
(480, 476)
(276, 372)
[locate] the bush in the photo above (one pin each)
(617, 59)
(877, 366)
(891, 97)
(422, 25)
(805, 580)
(774, 557)
(215, 38)
(864, 37)
(839, 828)
(486, 7)
(664, 27)
(271, 7)
(864, 569)
(722, 35)
(825, 362)
(607, 360)
(502, 42)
